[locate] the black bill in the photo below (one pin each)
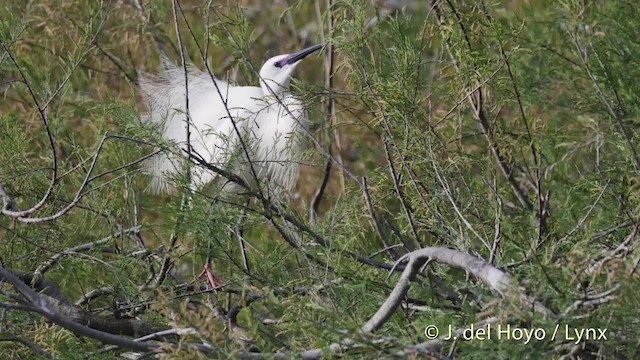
(295, 57)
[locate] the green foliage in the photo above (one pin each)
(448, 111)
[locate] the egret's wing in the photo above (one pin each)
(165, 97)
(212, 134)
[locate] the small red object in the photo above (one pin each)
(213, 279)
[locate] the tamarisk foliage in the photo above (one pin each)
(468, 163)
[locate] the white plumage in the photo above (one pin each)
(268, 118)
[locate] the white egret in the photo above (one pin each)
(269, 119)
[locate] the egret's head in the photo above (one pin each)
(277, 71)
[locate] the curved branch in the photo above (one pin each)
(44, 267)
(43, 112)
(43, 115)
(495, 278)
(86, 298)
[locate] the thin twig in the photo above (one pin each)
(616, 115)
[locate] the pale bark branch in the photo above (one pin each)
(496, 279)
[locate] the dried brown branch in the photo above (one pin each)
(449, 194)
(330, 111)
(239, 235)
(329, 61)
(400, 193)
(372, 213)
(173, 240)
(317, 196)
(389, 137)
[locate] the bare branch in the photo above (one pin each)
(44, 267)
(372, 213)
(592, 299)
(31, 345)
(496, 279)
(86, 298)
(22, 215)
(43, 116)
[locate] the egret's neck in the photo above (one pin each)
(271, 87)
